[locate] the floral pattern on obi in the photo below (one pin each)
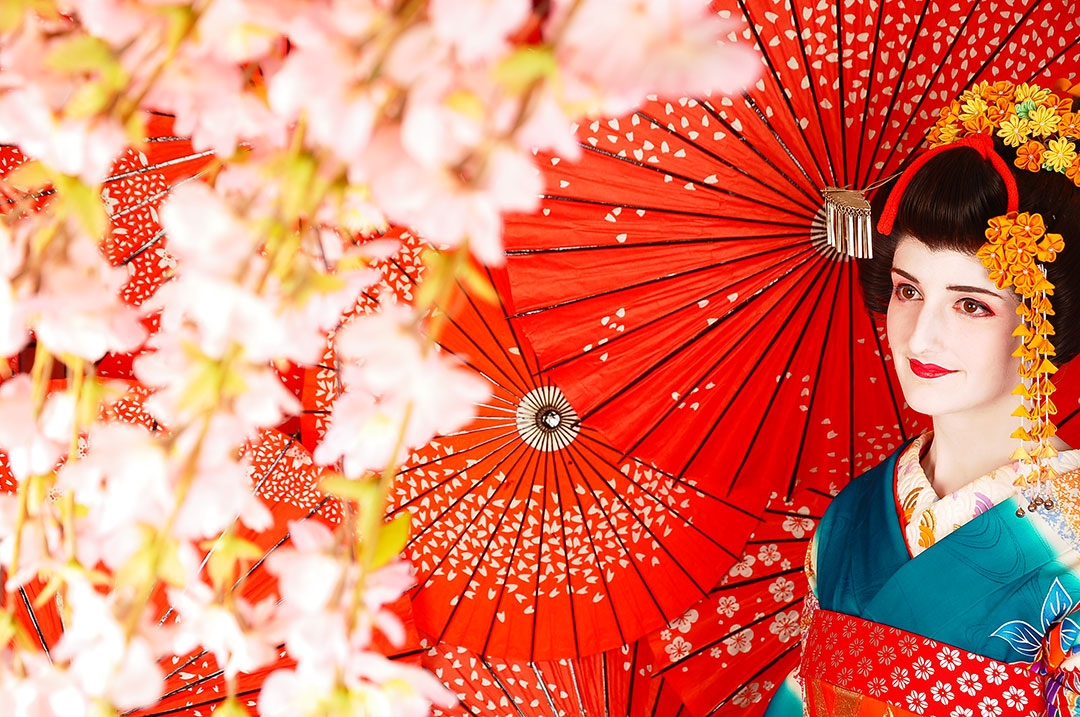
(855, 666)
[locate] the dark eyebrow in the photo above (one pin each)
(960, 288)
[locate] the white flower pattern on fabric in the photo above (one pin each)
(928, 518)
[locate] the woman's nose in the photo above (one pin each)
(926, 330)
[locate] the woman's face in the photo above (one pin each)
(951, 333)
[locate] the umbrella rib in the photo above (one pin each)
(523, 384)
(813, 396)
(859, 151)
(720, 160)
(569, 587)
(774, 541)
(491, 538)
(793, 263)
(772, 663)
(746, 380)
(577, 686)
(842, 171)
(508, 439)
(730, 634)
(760, 579)
(501, 684)
(814, 200)
(915, 35)
(594, 548)
(791, 513)
(787, 100)
(776, 391)
(687, 521)
(851, 374)
(544, 688)
(194, 705)
(880, 353)
(698, 184)
(831, 178)
(666, 243)
(29, 604)
(648, 529)
(1072, 414)
(933, 78)
(159, 165)
(586, 437)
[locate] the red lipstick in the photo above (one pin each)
(928, 370)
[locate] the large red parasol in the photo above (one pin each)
(533, 538)
(677, 283)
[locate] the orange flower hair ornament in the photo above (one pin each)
(1041, 125)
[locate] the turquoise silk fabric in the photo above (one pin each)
(988, 576)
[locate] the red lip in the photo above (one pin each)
(928, 370)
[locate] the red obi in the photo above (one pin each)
(854, 667)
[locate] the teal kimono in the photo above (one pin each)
(1000, 587)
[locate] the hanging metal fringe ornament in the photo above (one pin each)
(847, 222)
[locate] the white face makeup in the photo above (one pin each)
(950, 329)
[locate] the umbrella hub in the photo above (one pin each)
(546, 420)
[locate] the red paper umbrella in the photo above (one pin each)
(677, 283)
(133, 192)
(533, 539)
(616, 683)
(729, 653)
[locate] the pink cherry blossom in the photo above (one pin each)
(77, 309)
(671, 48)
(220, 494)
(205, 233)
(101, 660)
(308, 573)
(339, 112)
(123, 483)
(32, 101)
(388, 375)
(237, 642)
(477, 29)
(14, 333)
(34, 444)
(208, 97)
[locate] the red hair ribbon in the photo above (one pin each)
(982, 143)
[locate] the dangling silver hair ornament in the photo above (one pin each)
(848, 226)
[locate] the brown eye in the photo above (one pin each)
(970, 306)
(906, 292)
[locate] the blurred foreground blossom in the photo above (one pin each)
(321, 124)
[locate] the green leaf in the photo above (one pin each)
(362, 491)
(524, 66)
(32, 176)
(225, 552)
(392, 539)
(477, 284)
(88, 100)
(231, 707)
(81, 53)
(13, 12)
(82, 202)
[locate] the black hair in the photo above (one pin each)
(948, 204)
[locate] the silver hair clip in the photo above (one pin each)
(847, 222)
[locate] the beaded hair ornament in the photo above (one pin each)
(1045, 130)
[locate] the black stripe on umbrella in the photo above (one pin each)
(730, 652)
(615, 683)
(620, 279)
(533, 538)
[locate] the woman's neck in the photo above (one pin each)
(964, 449)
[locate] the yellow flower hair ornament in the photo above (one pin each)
(1040, 124)
(1017, 248)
